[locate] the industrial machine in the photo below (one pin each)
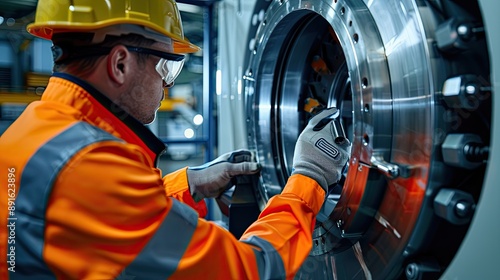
(413, 82)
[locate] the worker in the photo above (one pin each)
(84, 197)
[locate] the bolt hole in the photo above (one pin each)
(366, 140)
(367, 108)
(364, 83)
(350, 23)
(355, 37)
(342, 11)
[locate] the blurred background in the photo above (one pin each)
(26, 65)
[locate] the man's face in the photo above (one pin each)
(146, 91)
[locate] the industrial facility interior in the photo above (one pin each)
(414, 81)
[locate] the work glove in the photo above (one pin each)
(213, 178)
(320, 152)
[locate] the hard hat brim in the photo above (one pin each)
(46, 31)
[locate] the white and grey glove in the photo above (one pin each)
(320, 153)
(213, 178)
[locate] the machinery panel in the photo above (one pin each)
(412, 82)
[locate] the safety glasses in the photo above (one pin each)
(169, 66)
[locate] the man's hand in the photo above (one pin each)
(320, 153)
(213, 178)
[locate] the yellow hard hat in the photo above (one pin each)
(158, 18)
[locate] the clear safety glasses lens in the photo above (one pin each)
(169, 69)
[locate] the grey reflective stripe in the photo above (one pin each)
(37, 181)
(268, 259)
(160, 257)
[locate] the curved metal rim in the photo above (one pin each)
(379, 155)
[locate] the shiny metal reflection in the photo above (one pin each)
(371, 59)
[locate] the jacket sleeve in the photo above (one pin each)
(122, 223)
(273, 247)
(176, 186)
(288, 220)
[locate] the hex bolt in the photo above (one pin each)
(455, 35)
(464, 150)
(463, 30)
(459, 91)
(455, 206)
(422, 269)
(476, 152)
(411, 271)
(463, 209)
(471, 88)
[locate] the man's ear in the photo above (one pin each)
(118, 64)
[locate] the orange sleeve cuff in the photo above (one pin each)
(176, 186)
(307, 189)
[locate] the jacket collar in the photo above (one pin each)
(110, 117)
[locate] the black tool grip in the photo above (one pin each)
(240, 156)
(323, 122)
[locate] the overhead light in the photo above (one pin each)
(198, 119)
(189, 133)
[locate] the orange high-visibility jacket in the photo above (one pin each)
(82, 199)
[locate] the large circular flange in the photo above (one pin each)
(372, 60)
